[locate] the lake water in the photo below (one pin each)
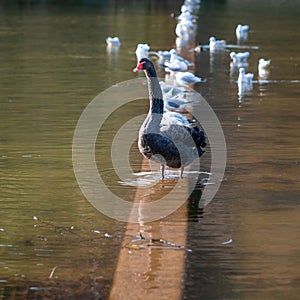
(54, 61)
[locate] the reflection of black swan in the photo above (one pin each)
(169, 144)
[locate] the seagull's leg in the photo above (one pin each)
(181, 172)
(162, 171)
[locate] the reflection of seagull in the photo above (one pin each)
(115, 41)
(239, 57)
(216, 44)
(241, 32)
(244, 81)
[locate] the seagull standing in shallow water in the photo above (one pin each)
(187, 78)
(244, 82)
(241, 32)
(263, 64)
(264, 68)
(113, 42)
(239, 57)
(215, 44)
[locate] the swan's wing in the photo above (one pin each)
(178, 134)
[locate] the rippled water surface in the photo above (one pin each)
(54, 61)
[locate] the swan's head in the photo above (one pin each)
(212, 39)
(144, 64)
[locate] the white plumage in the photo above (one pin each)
(175, 66)
(244, 82)
(263, 64)
(142, 51)
(215, 44)
(240, 56)
(113, 41)
(241, 32)
(264, 68)
(186, 78)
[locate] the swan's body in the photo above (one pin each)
(171, 145)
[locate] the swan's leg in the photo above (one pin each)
(181, 172)
(162, 171)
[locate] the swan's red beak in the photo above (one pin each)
(138, 67)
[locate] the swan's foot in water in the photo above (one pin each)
(162, 171)
(181, 172)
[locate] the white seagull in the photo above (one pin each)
(241, 32)
(174, 56)
(240, 56)
(264, 68)
(175, 66)
(215, 44)
(187, 78)
(263, 64)
(171, 90)
(244, 82)
(142, 51)
(113, 41)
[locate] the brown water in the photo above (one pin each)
(54, 62)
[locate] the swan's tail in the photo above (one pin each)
(199, 138)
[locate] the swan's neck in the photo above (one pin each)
(155, 114)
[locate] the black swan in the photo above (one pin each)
(171, 145)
